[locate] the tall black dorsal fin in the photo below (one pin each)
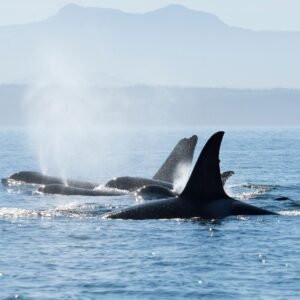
(206, 178)
(182, 154)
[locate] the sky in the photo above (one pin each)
(255, 14)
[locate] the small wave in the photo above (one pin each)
(18, 187)
(246, 191)
(16, 183)
(71, 211)
(12, 212)
(291, 213)
(265, 187)
(246, 195)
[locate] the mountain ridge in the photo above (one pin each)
(171, 46)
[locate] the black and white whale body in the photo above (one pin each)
(202, 197)
(182, 155)
(60, 189)
(151, 192)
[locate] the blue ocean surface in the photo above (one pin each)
(58, 247)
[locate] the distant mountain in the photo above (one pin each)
(169, 46)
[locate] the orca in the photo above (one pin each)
(32, 177)
(203, 196)
(182, 155)
(60, 189)
(150, 192)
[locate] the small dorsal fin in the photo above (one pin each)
(182, 154)
(226, 175)
(206, 178)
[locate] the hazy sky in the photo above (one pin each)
(254, 14)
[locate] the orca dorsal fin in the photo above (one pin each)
(206, 178)
(182, 154)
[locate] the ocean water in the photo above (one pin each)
(58, 247)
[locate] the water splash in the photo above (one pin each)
(290, 213)
(247, 191)
(181, 177)
(60, 109)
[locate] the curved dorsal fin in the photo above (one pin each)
(182, 154)
(206, 178)
(226, 175)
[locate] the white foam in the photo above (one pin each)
(12, 212)
(256, 190)
(181, 177)
(292, 213)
